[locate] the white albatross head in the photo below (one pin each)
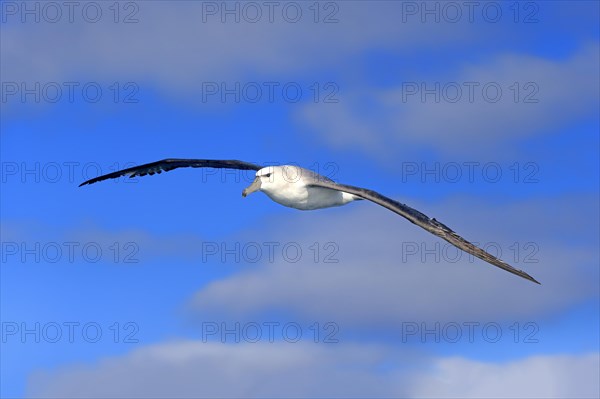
(276, 179)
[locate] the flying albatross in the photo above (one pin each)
(303, 189)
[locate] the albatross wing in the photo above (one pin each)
(423, 221)
(169, 164)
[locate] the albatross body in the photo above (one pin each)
(303, 189)
(291, 186)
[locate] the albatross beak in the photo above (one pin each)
(255, 186)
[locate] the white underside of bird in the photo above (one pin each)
(289, 186)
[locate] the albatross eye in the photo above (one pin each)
(267, 175)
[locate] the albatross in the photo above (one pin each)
(303, 189)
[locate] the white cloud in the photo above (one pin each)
(173, 48)
(565, 376)
(195, 369)
(549, 94)
(378, 284)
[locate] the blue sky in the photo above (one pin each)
(488, 121)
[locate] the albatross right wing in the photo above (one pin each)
(420, 219)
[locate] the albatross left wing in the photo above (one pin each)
(423, 221)
(169, 164)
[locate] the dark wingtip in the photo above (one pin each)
(91, 181)
(528, 277)
(535, 281)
